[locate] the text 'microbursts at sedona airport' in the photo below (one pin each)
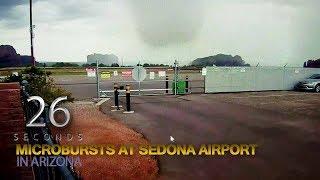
(156, 150)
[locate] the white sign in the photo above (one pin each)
(139, 73)
(115, 73)
(15, 73)
(151, 75)
(91, 72)
(162, 73)
(204, 71)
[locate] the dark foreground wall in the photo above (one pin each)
(11, 121)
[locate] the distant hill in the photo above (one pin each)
(106, 59)
(220, 60)
(10, 58)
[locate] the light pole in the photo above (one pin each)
(31, 33)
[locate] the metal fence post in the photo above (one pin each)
(139, 82)
(175, 76)
(204, 84)
(284, 76)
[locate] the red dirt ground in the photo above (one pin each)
(97, 128)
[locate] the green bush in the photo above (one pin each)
(40, 84)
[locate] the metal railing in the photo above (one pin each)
(138, 91)
(152, 87)
(43, 172)
(153, 90)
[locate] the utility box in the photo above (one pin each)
(181, 87)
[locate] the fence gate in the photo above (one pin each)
(193, 78)
(148, 80)
(143, 81)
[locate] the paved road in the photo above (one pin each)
(289, 147)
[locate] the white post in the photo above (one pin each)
(97, 79)
(139, 83)
(175, 76)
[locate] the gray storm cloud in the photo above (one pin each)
(273, 32)
(165, 22)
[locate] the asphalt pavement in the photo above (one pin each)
(288, 146)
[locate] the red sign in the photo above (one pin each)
(126, 73)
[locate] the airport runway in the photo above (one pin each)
(289, 146)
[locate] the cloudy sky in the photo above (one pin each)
(271, 32)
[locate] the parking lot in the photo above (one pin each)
(291, 103)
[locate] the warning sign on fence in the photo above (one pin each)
(91, 72)
(151, 75)
(162, 73)
(105, 75)
(126, 73)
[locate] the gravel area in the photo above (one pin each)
(97, 128)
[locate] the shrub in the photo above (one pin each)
(40, 84)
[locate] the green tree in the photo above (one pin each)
(86, 65)
(114, 65)
(102, 65)
(62, 64)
